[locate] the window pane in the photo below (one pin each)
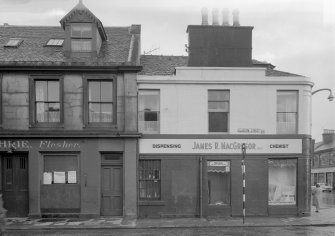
(94, 112)
(282, 181)
(148, 100)
(106, 113)
(218, 121)
(286, 123)
(53, 91)
(106, 91)
(218, 95)
(94, 91)
(76, 30)
(149, 179)
(42, 112)
(217, 105)
(287, 101)
(218, 182)
(86, 31)
(81, 45)
(54, 112)
(41, 90)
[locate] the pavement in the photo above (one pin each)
(325, 217)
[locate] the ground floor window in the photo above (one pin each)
(282, 181)
(150, 179)
(60, 169)
(218, 182)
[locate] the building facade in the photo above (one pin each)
(69, 117)
(195, 113)
(323, 161)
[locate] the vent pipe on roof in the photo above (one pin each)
(236, 20)
(204, 16)
(225, 17)
(215, 15)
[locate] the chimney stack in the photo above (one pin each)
(215, 13)
(204, 16)
(236, 20)
(225, 17)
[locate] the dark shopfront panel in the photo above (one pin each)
(271, 186)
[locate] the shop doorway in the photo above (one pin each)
(111, 185)
(15, 185)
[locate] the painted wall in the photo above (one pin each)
(253, 99)
(15, 102)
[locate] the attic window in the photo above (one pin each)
(14, 43)
(81, 37)
(55, 42)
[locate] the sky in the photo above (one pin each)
(296, 36)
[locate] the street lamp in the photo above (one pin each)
(330, 97)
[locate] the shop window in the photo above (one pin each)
(46, 100)
(150, 179)
(287, 112)
(282, 181)
(60, 169)
(99, 99)
(218, 110)
(148, 111)
(81, 37)
(321, 178)
(218, 182)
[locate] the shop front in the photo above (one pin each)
(186, 177)
(68, 176)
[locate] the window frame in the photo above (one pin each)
(212, 110)
(48, 43)
(158, 112)
(1, 94)
(99, 77)
(159, 180)
(296, 113)
(56, 154)
(16, 45)
(32, 95)
(81, 38)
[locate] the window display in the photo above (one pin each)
(60, 169)
(282, 181)
(218, 182)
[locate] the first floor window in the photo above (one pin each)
(60, 169)
(287, 112)
(218, 110)
(150, 179)
(148, 111)
(282, 181)
(218, 182)
(47, 101)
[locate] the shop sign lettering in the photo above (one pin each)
(251, 130)
(42, 144)
(222, 145)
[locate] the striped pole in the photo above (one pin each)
(243, 177)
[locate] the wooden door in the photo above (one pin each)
(15, 185)
(111, 190)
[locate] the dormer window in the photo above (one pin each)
(81, 37)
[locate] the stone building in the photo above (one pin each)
(68, 136)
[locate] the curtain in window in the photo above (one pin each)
(287, 112)
(282, 181)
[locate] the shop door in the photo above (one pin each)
(15, 185)
(111, 190)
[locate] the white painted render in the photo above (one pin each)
(184, 101)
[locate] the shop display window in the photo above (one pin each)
(282, 181)
(150, 179)
(60, 169)
(218, 182)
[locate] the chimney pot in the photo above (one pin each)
(204, 15)
(225, 17)
(215, 13)
(236, 20)
(5, 24)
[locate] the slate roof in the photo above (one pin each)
(33, 52)
(165, 65)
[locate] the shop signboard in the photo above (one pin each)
(220, 146)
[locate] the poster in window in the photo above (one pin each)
(59, 177)
(47, 178)
(72, 177)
